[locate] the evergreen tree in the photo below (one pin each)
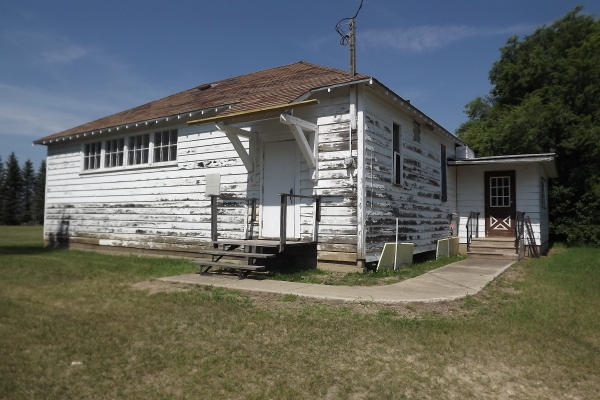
(2, 192)
(546, 98)
(39, 196)
(13, 185)
(27, 194)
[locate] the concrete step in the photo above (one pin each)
(493, 242)
(492, 256)
(493, 249)
(500, 245)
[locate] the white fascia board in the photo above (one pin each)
(330, 87)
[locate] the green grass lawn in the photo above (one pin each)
(370, 278)
(72, 326)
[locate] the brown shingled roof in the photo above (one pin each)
(270, 87)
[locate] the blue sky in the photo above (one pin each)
(64, 63)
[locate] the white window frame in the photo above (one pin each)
(151, 162)
(85, 156)
(109, 154)
(397, 175)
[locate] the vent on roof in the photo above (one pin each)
(207, 86)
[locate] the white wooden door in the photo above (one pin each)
(280, 174)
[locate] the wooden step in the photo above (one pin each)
(237, 254)
(226, 265)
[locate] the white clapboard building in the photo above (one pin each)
(300, 159)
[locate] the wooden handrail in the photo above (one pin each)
(213, 212)
(470, 228)
(283, 216)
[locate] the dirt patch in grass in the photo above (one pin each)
(153, 287)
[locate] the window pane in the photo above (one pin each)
(173, 153)
(493, 191)
(130, 158)
(157, 154)
(157, 141)
(493, 201)
(146, 141)
(173, 137)
(145, 156)
(165, 154)
(120, 162)
(107, 160)
(165, 137)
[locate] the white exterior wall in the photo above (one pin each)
(423, 216)
(544, 217)
(165, 208)
(471, 195)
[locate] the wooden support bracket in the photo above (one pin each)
(310, 155)
(233, 134)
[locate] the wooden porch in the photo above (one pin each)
(245, 254)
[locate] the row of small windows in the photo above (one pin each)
(161, 145)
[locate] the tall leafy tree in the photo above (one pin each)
(39, 196)
(13, 185)
(29, 178)
(546, 98)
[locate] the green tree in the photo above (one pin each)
(546, 98)
(29, 178)
(13, 185)
(39, 195)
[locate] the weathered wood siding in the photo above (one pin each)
(165, 207)
(471, 191)
(337, 184)
(423, 217)
(159, 207)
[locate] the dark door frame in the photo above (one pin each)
(500, 220)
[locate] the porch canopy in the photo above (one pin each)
(546, 160)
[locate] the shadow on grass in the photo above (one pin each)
(26, 250)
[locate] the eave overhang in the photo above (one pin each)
(255, 112)
(137, 124)
(546, 160)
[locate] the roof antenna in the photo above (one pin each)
(349, 38)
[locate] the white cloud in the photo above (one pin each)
(65, 54)
(430, 37)
(42, 90)
(36, 113)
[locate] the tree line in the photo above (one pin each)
(545, 98)
(22, 192)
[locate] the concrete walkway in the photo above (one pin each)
(450, 282)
